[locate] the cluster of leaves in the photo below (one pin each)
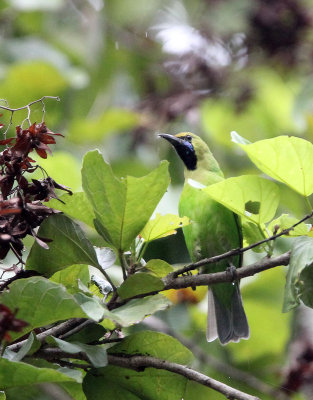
(21, 208)
(119, 210)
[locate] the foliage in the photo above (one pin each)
(125, 70)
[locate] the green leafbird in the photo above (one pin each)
(214, 230)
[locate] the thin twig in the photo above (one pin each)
(54, 331)
(123, 263)
(27, 107)
(140, 362)
(77, 328)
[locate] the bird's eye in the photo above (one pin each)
(189, 138)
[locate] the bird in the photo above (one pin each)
(213, 230)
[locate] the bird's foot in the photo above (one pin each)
(232, 271)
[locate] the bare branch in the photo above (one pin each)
(207, 359)
(140, 362)
(170, 282)
(226, 276)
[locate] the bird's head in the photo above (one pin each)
(195, 154)
(188, 147)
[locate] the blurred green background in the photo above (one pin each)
(126, 70)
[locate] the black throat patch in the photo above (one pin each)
(187, 153)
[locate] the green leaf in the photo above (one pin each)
(286, 159)
(163, 225)
(301, 258)
(76, 206)
(139, 283)
(69, 246)
(74, 389)
(41, 302)
(136, 310)
(154, 344)
(285, 221)
(94, 129)
(14, 374)
(70, 277)
(31, 346)
(97, 355)
(159, 268)
(121, 383)
(250, 196)
(122, 207)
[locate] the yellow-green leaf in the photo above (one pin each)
(159, 268)
(163, 225)
(250, 196)
(286, 159)
(139, 283)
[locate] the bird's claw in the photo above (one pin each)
(232, 271)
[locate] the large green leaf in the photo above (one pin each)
(69, 246)
(139, 283)
(14, 374)
(76, 206)
(163, 225)
(41, 302)
(150, 384)
(287, 159)
(250, 196)
(298, 281)
(122, 207)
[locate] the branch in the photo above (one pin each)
(171, 282)
(226, 276)
(54, 331)
(237, 251)
(140, 362)
(206, 359)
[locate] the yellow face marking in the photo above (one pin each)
(184, 134)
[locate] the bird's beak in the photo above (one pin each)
(175, 141)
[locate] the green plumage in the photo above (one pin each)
(214, 230)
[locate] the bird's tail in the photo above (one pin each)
(229, 324)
